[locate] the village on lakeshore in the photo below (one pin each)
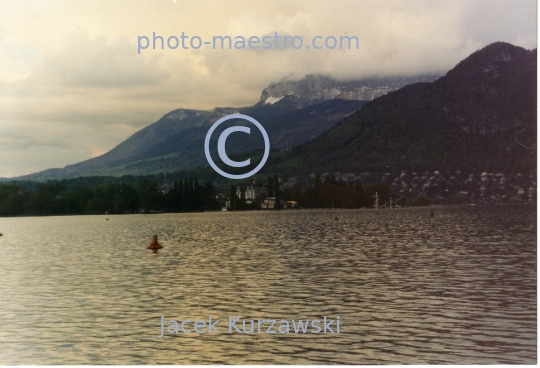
(406, 189)
(170, 193)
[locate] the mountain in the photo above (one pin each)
(292, 111)
(314, 88)
(480, 116)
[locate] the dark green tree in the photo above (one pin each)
(211, 202)
(14, 204)
(97, 205)
(277, 192)
(270, 186)
(150, 194)
(40, 203)
(77, 199)
(233, 197)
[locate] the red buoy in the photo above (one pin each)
(154, 244)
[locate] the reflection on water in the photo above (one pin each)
(456, 288)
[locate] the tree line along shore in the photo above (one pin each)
(136, 195)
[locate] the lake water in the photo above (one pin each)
(456, 288)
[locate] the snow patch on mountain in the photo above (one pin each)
(272, 100)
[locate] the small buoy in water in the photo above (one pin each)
(107, 219)
(432, 214)
(154, 244)
(336, 219)
(1, 234)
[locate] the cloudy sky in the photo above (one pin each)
(72, 85)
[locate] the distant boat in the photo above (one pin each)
(224, 209)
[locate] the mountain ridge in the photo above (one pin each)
(318, 88)
(469, 119)
(136, 153)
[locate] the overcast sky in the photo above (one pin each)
(72, 85)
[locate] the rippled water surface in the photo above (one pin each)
(456, 288)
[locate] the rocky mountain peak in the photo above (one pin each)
(314, 88)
